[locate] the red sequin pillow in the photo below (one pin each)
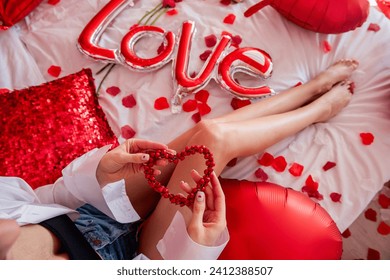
(43, 128)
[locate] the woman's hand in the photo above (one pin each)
(208, 219)
(126, 160)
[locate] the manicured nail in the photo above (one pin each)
(145, 157)
(200, 196)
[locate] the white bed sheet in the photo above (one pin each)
(50, 34)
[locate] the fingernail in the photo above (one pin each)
(200, 196)
(145, 157)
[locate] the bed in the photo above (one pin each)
(354, 193)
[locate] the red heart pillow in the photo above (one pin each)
(325, 16)
(11, 11)
(43, 128)
(270, 222)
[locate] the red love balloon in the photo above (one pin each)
(325, 16)
(270, 222)
(384, 6)
(12, 11)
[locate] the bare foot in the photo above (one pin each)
(337, 72)
(333, 101)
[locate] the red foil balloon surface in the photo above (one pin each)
(384, 6)
(43, 128)
(12, 11)
(270, 222)
(325, 16)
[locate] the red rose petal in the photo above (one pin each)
(205, 55)
(352, 87)
(296, 169)
(260, 174)
(384, 201)
(196, 117)
(383, 228)
(238, 103)
(373, 254)
(374, 27)
(279, 164)
(298, 84)
(190, 105)
(129, 101)
(127, 132)
(312, 193)
(113, 90)
(225, 2)
(326, 47)
(204, 109)
(335, 197)
(367, 138)
(210, 40)
(328, 165)
(202, 96)
(310, 183)
(370, 214)
(229, 19)
(172, 12)
(266, 159)
(193, 74)
(4, 90)
(161, 103)
(237, 39)
(169, 3)
(161, 48)
(232, 163)
(54, 71)
(346, 233)
(53, 2)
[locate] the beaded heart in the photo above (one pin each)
(163, 190)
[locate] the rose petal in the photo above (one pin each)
(205, 55)
(266, 159)
(279, 164)
(196, 117)
(193, 74)
(229, 19)
(237, 103)
(367, 138)
(127, 132)
(113, 90)
(202, 96)
(335, 197)
(225, 2)
(384, 201)
(210, 40)
(373, 254)
(374, 27)
(312, 193)
(161, 48)
(298, 84)
(260, 174)
(204, 109)
(54, 71)
(326, 47)
(310, 183)
(328, 165)
(190, 105)
(172, 12)
(232, 163)
(53, 2)
(296, 169)
(169, 3)
(236, 41)
(161, 103)
(346, 233)
(129, 101)
(383, 228)
(370, 214)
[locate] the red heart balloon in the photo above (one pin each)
(325, 16)
(163, 190)
(12, 11)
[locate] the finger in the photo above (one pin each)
(219, 196)
(209, 198)
(195, 175)
(141, 144)
(185, 187)
(133, 158)
(198, 209)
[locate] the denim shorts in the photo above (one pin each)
(110, 239)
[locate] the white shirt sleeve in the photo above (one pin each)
(176, 244)
(79, 186)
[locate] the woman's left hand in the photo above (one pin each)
(126, 160)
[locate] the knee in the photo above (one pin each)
(209, 133)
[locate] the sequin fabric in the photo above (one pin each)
(43, 128)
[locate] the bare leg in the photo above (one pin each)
(144, 199)
(240, 138)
